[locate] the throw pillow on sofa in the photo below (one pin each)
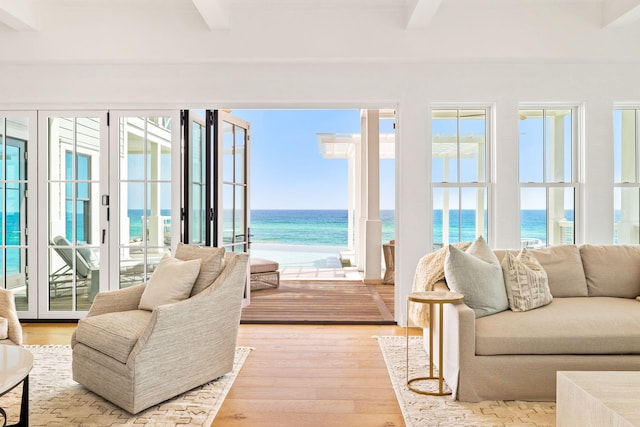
(170, 282)
(477, 274)
(526, 281)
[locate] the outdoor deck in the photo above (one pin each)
(322, 301)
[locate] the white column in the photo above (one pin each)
(352, 202)
(361, 194)
(373, 235)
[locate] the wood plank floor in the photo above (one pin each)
(298, 375)
(322, 302)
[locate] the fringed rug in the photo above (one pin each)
(422, 410)
(56, 400)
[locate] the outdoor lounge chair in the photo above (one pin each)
(264, 274)
(85, 271)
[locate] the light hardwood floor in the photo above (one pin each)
(298, 375)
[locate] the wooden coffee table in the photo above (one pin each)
(598, 398)
(14, 369)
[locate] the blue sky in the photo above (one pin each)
(287, 169)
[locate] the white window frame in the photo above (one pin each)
(635, 184)
(576, 144)
(487, 184)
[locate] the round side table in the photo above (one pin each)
(431, 298)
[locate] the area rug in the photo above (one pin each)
(422, 410)
(56, 400)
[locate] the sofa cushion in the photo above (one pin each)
(594, 325)
(4, 328)
(477, 274)
(210, 267)
(113, 334)
(171, 282)
(612, 270)
(563, 266)
(526, 281)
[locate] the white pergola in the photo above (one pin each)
(363, 152)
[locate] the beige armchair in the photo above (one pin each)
(9, 322)
(138, 358)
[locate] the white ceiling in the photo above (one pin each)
(210, 31)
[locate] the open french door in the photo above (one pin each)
(216, 176)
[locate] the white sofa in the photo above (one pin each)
(593, 323)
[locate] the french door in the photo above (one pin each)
(144, 193)
(217, 181)
(18, 213)
(73, 215)
(108, 203)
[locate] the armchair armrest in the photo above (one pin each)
(8, 311)
(118, 300)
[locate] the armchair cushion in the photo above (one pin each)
(171, 282)
(113, 334)
(210, 267)
(4, 328)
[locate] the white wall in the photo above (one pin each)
(410, 87)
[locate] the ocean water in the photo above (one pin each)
(316, 237)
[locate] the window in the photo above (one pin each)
(547, 176)
(459, 174)
(626, 140)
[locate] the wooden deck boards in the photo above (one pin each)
(322, 301)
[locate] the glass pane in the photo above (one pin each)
(132, 213)
(239, 155)
(227, 214)
(472, 145)
(625, 146)
(131, 149)
(627, 216)
(473, 215)
(197, 153)
(133, 269)
(227, 152)
(2, 218)
(444, 151)
(197, 219)
(533, 217)
(561, 208)
(531, 153)
(239, 222)
(159, 214)
(558, 135)
(446, 223)
(165, 161)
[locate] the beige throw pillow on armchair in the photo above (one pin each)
(212, 260)
(171, 281)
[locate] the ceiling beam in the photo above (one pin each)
(20, 15)
(420, 13)
(216, 13)
(620, 13)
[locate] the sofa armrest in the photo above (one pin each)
(118, 300)
(459, 340)
(8, 311)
